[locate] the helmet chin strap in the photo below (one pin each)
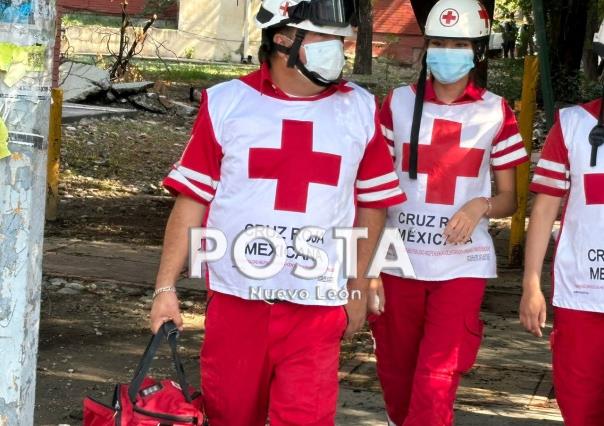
(294, 60)
(596, 136)
(417, 119)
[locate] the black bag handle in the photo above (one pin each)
(170, 332)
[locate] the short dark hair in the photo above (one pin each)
(267, 46)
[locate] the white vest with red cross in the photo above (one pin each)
(458, 145)
(564, 170)
(258, 157)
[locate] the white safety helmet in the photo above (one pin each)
(598, 45)
(320, 16)
(463, 19)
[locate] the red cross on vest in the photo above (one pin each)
(294, 166)
(449, 17)
(594, 188)
(444, 161)
(484, 15)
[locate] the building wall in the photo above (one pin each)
(210, 30)
(224, 30)
(135, 7)
(396, 32)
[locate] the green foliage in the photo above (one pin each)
(199, 75)
(506, 75)
(505, 7)
(189, 52)
(93, 19)
(83, 19)
(574, 88)
(505, 78)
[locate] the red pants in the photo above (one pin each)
(278, 360)
(428, 335)
(578, 359)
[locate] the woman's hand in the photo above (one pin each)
(375, 297)
(462, 224)
(533, 311)
(165, 308)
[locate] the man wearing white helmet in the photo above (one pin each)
(446, 134)
(571, 169)
(289, 146)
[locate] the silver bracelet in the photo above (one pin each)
(489, 206)
(161, 290)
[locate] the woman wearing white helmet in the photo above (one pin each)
(571, 169)
(446, 134)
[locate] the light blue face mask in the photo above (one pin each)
(449, 65)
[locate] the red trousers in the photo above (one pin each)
(278, 360)
(578, 360)
(427, 337)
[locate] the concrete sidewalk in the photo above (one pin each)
(509, 386)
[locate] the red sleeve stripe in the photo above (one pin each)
(553, 166)
(385, 203)
(379, 195)
(177, 188)
(512, 164)
(515, 147)
(377, 181)
(548, 190)
(388, 133)
(505, 144)
(389, 185)
(549, 173)
(551, 182)
(196, 176)
(513, 158)
(176, 176)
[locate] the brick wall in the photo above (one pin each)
(109, 7)
(396, 33)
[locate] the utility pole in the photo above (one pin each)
(27, 35)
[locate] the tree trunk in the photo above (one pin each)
(567, 21)
(364, 47)
(590, 59)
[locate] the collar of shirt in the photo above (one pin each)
(261, 81)
(472, 93)
(593, 107)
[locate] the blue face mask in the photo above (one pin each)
(449, 65)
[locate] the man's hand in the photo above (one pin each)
(186, 214)
(165, 308)
(357, 313)
(376, 298)
(533, 311)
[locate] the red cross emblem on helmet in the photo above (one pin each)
(284, 8)
(449, 17)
